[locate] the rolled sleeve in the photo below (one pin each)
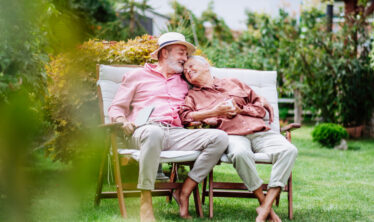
(254, 111)
(186, 109)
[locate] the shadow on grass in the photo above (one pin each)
(227, 209)
(353, 148)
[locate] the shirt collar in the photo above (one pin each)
(152, 68)
(215, 85)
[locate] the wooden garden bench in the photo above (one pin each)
(109, 78)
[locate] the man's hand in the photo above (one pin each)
(128, 127)
(268, 107)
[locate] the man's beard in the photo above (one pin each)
(174, 65)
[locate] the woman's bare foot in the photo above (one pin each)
(262, 214)
(274, 217)
(176, 195)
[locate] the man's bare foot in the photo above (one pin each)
(274, 217)
(183, 207)
(176, 195)
(262, 214)
(146, 208)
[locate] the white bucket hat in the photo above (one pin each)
(171, 38)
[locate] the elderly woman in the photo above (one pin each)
(234, 107)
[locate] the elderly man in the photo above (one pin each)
(161, 85)
(234, 107)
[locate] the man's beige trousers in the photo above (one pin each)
(282, 153)
(152, 139)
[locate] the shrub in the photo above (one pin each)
(72, 104)
(329, 134)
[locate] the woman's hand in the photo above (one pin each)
(224, 109)
(238, 110)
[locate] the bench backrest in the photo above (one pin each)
(262, 82)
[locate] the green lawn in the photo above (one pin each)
(329, 185)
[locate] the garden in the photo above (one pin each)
(51, 146)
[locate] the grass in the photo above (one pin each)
(329, 185)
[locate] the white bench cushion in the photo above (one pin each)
(166, 156)
(259, 158)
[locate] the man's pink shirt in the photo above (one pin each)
(144, 87)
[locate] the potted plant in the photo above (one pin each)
(356, 97)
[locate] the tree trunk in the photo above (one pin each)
(369, 129)
(132, 17)
(298, 109)
(351, 10)
(350, 7)
(330, 15)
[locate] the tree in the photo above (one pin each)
(356, 7)
(220, 30)
(130, 14)
(185, 21)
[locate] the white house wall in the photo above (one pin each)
(159, 23)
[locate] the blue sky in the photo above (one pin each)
(233, 11)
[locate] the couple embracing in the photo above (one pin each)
(231, 107)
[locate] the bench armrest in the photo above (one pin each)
(110, 125)
(290, 127)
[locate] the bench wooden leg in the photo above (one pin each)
(198, 207)
(100, 181)
(211, 194)
(277, 200)
(172, 179)
(203, 191)
(117, 176)
(290, 198)
(104, 162)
